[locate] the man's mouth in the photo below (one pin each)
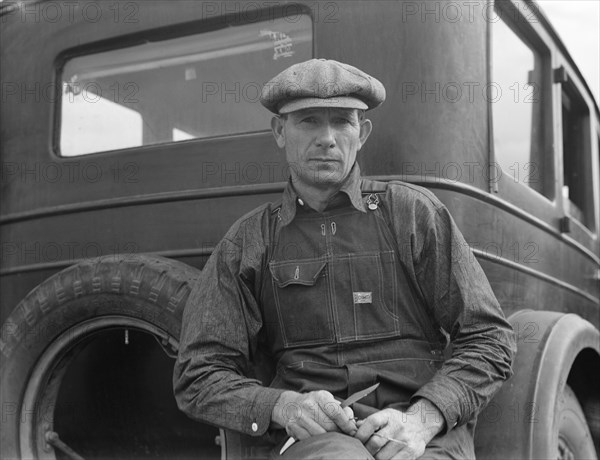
(325, 160)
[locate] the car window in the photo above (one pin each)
(190, 87)
(517, 101)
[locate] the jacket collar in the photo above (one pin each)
(350, 187)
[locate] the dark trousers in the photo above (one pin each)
(338, 446)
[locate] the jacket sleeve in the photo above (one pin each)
(460, 297)
(220, 324)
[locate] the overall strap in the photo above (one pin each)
(368, 186)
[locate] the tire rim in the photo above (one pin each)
(39, 400)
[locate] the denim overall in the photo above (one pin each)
(342, 308)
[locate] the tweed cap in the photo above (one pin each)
(321, 83)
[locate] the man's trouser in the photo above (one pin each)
(338, 446)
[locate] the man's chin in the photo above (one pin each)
(323, 176)
(326, 180)
(327, 176)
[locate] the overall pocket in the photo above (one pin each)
(373, 301)
(303, 301)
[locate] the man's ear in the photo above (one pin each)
(365, 130)
(278, 131)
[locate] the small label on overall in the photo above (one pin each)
(362, 297)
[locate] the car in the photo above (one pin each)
(132, 138)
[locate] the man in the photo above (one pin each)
(345, 283)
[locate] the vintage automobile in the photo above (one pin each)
(132, 138)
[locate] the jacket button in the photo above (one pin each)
(255, 427)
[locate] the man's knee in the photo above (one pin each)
(328, 446)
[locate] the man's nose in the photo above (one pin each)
(326, 137)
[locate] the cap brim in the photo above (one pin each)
(343, 102)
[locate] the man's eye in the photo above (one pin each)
(343, 121)
(309, 120)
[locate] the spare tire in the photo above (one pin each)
(40, 337)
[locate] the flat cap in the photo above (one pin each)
(321, 83)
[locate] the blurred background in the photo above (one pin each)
(578, 24)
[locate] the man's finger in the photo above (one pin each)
(349, 412)
(313, 427)
(405, 454)
(389, 449)
(297, 432)
(340, 417)
(369, 426)
(375, 444)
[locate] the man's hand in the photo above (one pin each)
(414, 428)
(308, 414)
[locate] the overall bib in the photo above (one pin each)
(342, 310)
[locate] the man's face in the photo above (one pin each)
(321, 143)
